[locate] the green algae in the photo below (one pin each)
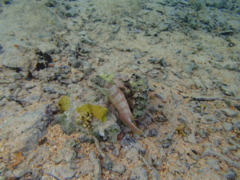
(97, 111)
(64, 103)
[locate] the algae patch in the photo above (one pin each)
(64, 103)
(98, 112)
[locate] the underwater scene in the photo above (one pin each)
(119, 89)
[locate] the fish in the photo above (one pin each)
(119, 101)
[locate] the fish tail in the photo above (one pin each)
(130, 124)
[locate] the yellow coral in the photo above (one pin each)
(64, 103)
(98, 112)
(85, 119)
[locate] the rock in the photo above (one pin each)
(214, 164)
(30, 85)
(46, 177)
(86, 67)
(107, 131)
(231, 175)
(163, 62)
(198, 83)
(116, 152)
(154, 174)
(191, 138)
(20, 172)
(86, 39)
(155, 161)
(194, 155)
(127, 140)
(182, 120)
(72, 144)
(203, 133)
(166, 142)
(67, 123)
(71, 13)
(97, 166)
(216, 3)
(74, 62)
(107, 164)
(227, 126)
(1, 49)
(27, 22)
(163, 26)
(17, 130)
(229, 112)
(136, 92)
(119, 168)
(217, 142)
(51, 3)
(61, 171)
(211, 119)
(15, 59)
(189, 68)
(39, 157)
(237, 106)
(46, 47)
(198, 4)
(236, 126)
(139, 173)
(228, 91)
(65, 155)
(219, 57)
(232, 67)
(153, 132)
(7, 1)
(161, 97)
(86, 139)
(132, 154)
(86, 167)
(153, 60)
(140, 148)
(54, 89)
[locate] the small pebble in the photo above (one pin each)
(214, 164)
(236, 126)
(229, 112)
(231, 175)
(139, 173)
(127, 140)
(116, 152)
(153, 132)
(153, 60)
(182, 120)
(163, 62)
(107, 164)
(132, 154)
(20, 172)
(1, 49)
(155, 175)
(237, 106)
(227, 126)
(161, 97)
(119, 168)
(166, 143)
